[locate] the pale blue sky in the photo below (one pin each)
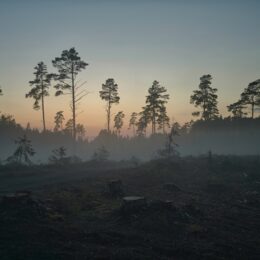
(136, 42)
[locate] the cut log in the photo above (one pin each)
(132, 204)
(116, 188)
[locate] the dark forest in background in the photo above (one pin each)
(238, 136)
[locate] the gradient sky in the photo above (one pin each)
(135, 42)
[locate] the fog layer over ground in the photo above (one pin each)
(221, 136)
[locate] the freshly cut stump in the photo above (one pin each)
(132, 204)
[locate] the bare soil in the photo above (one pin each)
(196, 209)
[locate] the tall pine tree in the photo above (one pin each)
(163, 120)
(69, 64)
(205, 98)
(133, 122)
(109, 93)
(251, 96)
(40, 88)
(58, 120)
(155, 102)
(118, 121)
(237, 109)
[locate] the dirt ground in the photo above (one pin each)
(195, 208)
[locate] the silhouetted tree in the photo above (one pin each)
(155, 102)
(58, 121)
(8, 121)
(23, 151)
(1, 91)
(39, 91)
(109, 93)
(101, 155)
(176, 126)
(163, 120)
(251, 95)
(237, 109)
(170, 149)
(69, 127)
(58, 156)
(185, 129)
(118, 121)
(133, 122)
(28, 127)
(69, 65)
(205, 98)
(80, 131)
(143, 121)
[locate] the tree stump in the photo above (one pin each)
(116, 188)
(133, 204)
(17, 197)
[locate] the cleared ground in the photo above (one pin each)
(214, 211)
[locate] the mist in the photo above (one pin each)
(129, 129)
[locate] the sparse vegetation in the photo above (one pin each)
(196, 209)
(101, 155)
(23, 152)
(58, 156)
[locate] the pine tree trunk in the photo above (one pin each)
(108, 117)
(153, 122)
(204, 109)
(73, 104)
(163, 128)
(43, 112)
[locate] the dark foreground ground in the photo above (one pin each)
(211, 212)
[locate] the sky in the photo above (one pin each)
(134, 42)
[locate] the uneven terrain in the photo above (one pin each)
(195, 208)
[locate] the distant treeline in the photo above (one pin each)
(153, 115)
(238, 134)
(220, 136)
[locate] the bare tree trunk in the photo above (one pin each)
(253, 108)
(43, 112)
(108, 116)
(163, 127)
(204, 109)
(108, 112)
(43, 115)
(73, 103)
(153, 122)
